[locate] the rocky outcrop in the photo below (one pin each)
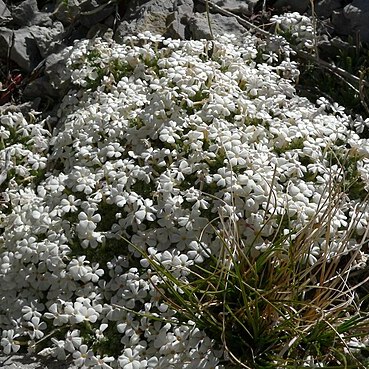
(238, 7)
(5, 14)
(30, 37)
(28, 14)
(181, 19)
(353, 20)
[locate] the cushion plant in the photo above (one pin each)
(175, 164)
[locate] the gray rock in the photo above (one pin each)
(357, 13)
(30, 44)
(48, 39)
(123, 29)
(325, 8)
(139, 8)
(362, 5)
(5, 14)
(66, 12)
(56, 79)
(177, 20)
(27, 14)
(220, 24)
(353, 20)
(93, 12)
(33, 89)
(176, 28)
(149, 15)
(238, 6)
(22, 46)
(300, 6)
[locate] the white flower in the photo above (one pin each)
(146, 210)
(72, 340)
(198, 251)
(193, 220)
(79, 313)
(87, 222)
(175, 134)
(168, 133)
(56, 313)
(82, 356)
(94, 274)
(36, 327)
(9, 342)
(79, 268)
(98, 362)
(81, 180)
(4, 133)
(32, 310)
(178, 263)
(59, 349)
(130, 359)
(36, 161)
(313, 255)
(69, 204)
(360, 124)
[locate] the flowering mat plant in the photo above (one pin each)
(189, 210)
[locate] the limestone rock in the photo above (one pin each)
(146, 15)
(23, 108)
(48, 39)
(22, 46)
(238, 6)
(220, 24)
(56, 79)
(358, 13)
(66, 12)
(55, 70)
(5, 14)
(353, 20)
(329, 48)
(177, 20)
(29, 45)
(27, 14)
(100, 30)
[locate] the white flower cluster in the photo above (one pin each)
(23, 146)
(157, 140)
(297, 27)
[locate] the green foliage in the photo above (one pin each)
(347, 160)
(295, 144)
(267, 310)
(111, 344)
(116, 68)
